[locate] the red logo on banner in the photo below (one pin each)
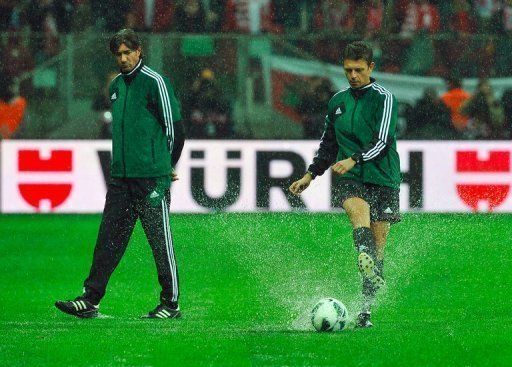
(493, 194)
(55, 193)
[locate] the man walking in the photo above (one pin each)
(147, 139)
(360, 139)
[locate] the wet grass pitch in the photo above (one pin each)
(248, 282)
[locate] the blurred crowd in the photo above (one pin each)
(369, 17)
(424, 37)
(421, 37)
(457, 114)
(206, 110)
(466, 38)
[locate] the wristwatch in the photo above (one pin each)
(357, 157)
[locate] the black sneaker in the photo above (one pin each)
(363, 320)
(79, 307)
(163, 312)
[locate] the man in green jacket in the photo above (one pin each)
(359, 144)
(147, 139)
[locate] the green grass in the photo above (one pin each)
(247, 284)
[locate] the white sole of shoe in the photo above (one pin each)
(367, 269)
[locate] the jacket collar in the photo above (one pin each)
(129, 76)
(359, 92)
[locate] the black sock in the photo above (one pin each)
(363, 240)
(379, 264)
(173, 305)
(91, 296)
(167, 302)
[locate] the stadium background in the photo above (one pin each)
(253, 77)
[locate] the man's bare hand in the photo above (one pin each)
(343, 166)
(298, 186)
(174, 176)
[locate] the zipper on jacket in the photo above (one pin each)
(353, 113)
(361, 169)
(122, 132)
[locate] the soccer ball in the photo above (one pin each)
(329, 314)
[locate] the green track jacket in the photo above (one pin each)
(361, 121)
(144, 112)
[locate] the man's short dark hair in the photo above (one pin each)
(358, 50)
(126, 36)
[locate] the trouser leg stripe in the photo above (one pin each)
(173, 259)
(170, 252)
(167, 240)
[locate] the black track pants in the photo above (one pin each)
(128, 199)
